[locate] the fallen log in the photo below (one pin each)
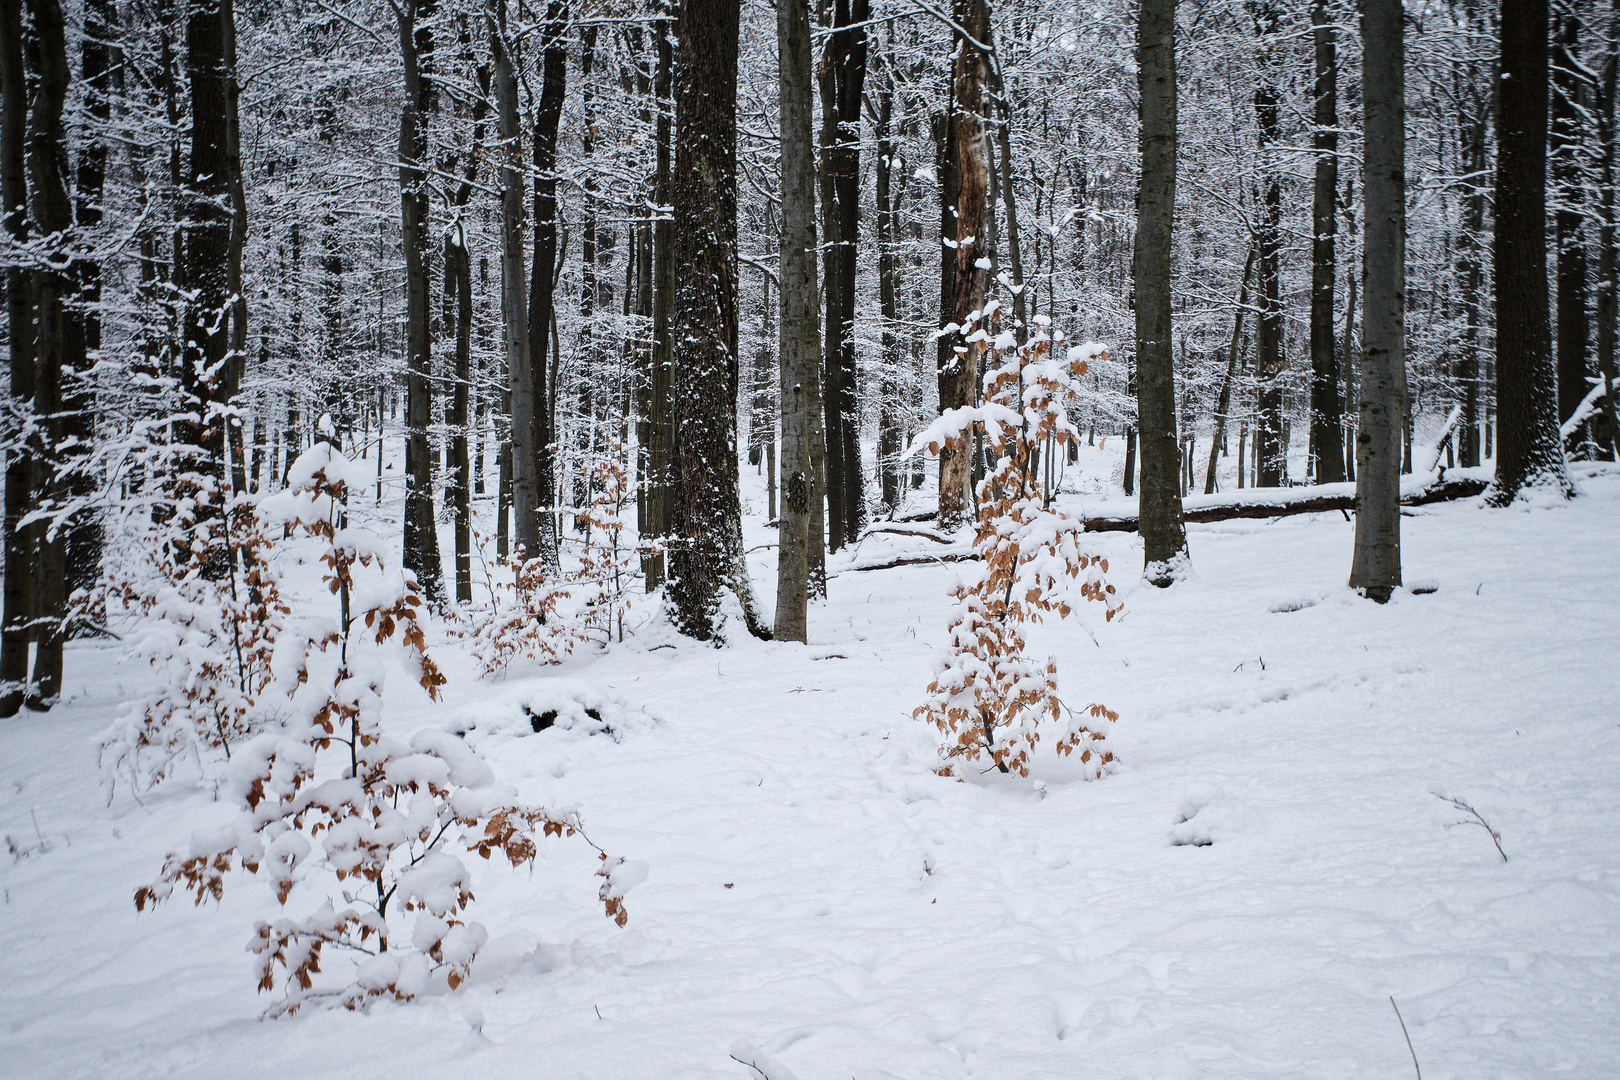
(926, 534)
(1283, 503)
(910, 560)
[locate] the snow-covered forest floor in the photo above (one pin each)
(815, 890)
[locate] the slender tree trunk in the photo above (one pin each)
(458, 269)
(517, 453)
(1327, 421)
(1608, 281)
(541, 527)
(799, 352)
(969, 279)
(421, 542)
(1270, 449)
(1566, 148)
(1529, 450)
(1164, 537)
(1224, 404)
(661, 433)
(60, 331)
(1472, 274)
(1375, 566)
(20, 467)
(706, 552)
(889, 406)
(842, 77)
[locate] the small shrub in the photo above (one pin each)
(988, 698)
(386, 815)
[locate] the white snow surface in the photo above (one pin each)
(1267, 867)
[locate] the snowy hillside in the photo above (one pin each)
(1268, 865)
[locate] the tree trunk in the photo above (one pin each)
(421, 541)
(1327, 421)
(842, 78)
(1270, 450)
(959, 379)
(60, 332)
(458, 269)
(706, 552)
(1164, 537)
(661, 433)
(19, 549)
(517, 453)
(889, 405)
(1375, 566)
(1566, 149)
(1529, 450)
(1472, 274)
(799, 352)
(1608, 283)
(538, 533)
(1224, 404)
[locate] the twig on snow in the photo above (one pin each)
(1409, 1049)
(1496, 837)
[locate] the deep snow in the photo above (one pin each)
(816, 892)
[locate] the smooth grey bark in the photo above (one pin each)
(1164, 536)
(799, 330)
(1327, 421)
(1375, 566)
(1529, 450)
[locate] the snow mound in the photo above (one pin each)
(531, 706)
(1209, 814)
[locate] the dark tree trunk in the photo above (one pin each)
(1375, 566)
(1164, 537)
(1608, 277)
(660, 432)
(1566, 148)
(59, 332)
(517, 453)
(19, 549)
(706, 553)
(1529, 450)
(458, 270)
(842, 77)
(799, 352)
(236, 363)
(889, 406)
(1471, 272)
(1223, 405)
(421, 546)
(1327, 421)
(541, 524)
(1270, 451)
